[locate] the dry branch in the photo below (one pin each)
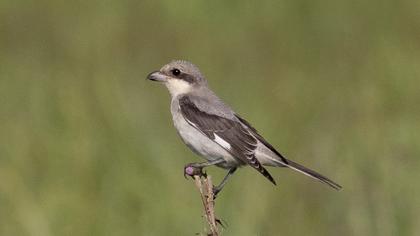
(205, 187)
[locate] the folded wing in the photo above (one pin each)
(229, 134)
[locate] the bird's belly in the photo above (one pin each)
(202, 145)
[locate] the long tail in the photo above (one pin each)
(313, 174)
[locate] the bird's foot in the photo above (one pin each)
(193, 169)
(221, 223)
(216, 190)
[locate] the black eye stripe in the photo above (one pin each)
(183, 76)
(186, 77)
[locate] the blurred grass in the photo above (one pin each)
(87, 146)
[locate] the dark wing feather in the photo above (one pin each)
(242, 142)
(261, 139)
(289, 163)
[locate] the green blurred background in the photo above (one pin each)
(87, 145)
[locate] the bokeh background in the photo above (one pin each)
(87, 145)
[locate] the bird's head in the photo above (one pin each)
(179, 76)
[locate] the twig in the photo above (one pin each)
(205, 187)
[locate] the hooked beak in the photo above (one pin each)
(157, 76)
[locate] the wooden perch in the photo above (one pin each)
(205, 187)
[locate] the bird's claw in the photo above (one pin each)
(219, 221)
(216, 190)
(192, 169)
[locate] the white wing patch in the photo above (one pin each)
(192, 124)
(221, 142)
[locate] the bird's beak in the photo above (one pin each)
(157, 76)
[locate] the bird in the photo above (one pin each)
(213, 130)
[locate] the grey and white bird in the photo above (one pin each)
(211, 129)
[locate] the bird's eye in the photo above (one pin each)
(176, 72)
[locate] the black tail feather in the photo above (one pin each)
(313, 174)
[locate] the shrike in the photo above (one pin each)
(211, 129)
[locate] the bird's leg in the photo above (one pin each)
(192, 169)
(219, 187)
